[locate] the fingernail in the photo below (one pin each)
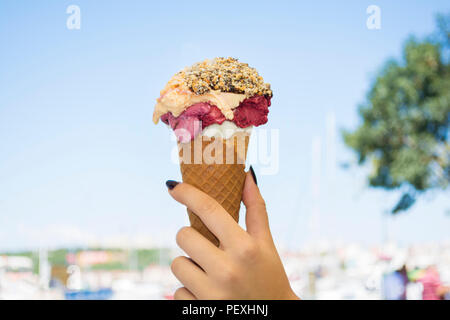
(171, 184)
(253, 175)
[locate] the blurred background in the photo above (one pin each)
(358, 204)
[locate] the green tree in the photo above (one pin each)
(405, 120)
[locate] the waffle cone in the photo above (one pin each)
(216, 167)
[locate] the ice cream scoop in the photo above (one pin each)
(213, 91)
(250, 112)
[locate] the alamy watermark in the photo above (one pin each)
(373, 21)
(229, 147)
(73, 22)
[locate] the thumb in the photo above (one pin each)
(256, 218)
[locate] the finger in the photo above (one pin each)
(200, 249)
(212, 214)
(256, 218)
(183, 294)
(190, 275)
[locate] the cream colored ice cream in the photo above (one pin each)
(176, 100)
(225, 130)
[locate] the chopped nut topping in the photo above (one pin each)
(224, 74)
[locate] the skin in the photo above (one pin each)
(245, 266)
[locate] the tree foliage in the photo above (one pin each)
(405, 120)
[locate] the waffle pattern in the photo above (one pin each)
(223, 182)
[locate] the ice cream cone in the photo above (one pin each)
(221, 98)
(215, 166)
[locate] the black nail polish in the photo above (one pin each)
(171, 184)
(253, 175)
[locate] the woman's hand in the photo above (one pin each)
(246, 266)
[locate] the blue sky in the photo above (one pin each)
(80, 159)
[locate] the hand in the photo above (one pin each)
(245, 266)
